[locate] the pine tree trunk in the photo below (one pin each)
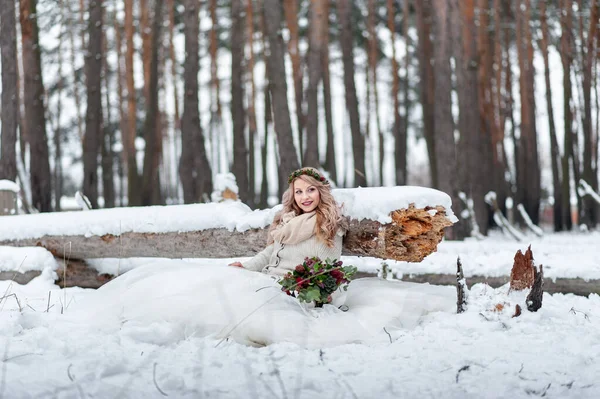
(252, 129)
(470, 175)
(316, 33)
(238, 112)
(193, 152)
(372, 50)
(427, 81)
(146, 34)
(150, 178)
(445, 151)
(92, 140)
(35, 117)
(330, 165)
(590, 206)
(216, 132)
(554, 151)
(344, 8)
(501, 169)
(288, 159)
(133, 178)
(108, 138)
(123, 121)
(268, 120)
(76, 81)
(397, 127)
(528, 169)
(58, 135)
(290, 9)
(9, 103)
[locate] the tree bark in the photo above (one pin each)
(93, 115)
(133, 178)
(108, 137)
(316, 33)
(528, 169)
(554, 151)
(193, 161)
(330, 165)
(35, 116)
(252, 129)
(238, 111)
(290, 9)
(344, 8)
(397, 130)
(445, 148)
(288, 159)
(412, 235)
(151, 128)
(590, 207)
(9, 103)
(427, 81)
(471, 172)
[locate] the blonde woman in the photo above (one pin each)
(310, 224)
(205, 298)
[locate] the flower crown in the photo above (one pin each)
(308, 172)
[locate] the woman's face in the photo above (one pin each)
(306, 195)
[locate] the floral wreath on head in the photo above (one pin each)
(308, 172)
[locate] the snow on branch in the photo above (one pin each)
(585, 189)
(469, 213)
(499, 218)
(536, 230)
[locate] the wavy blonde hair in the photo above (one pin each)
(328, 212)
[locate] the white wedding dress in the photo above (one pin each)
(192, 299)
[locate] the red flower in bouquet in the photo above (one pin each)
(315, 280)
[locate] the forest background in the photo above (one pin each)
(146, 102)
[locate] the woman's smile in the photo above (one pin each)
(307, 196)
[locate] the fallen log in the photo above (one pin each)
(412, 235)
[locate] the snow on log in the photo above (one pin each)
(402, 223)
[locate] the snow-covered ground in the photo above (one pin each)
(50, 350)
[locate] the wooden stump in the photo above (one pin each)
(8, 202)
(522, 273)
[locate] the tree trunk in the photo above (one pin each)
(288, 159)
(252, 133)
(290, 9)
(216, 132)
(528, 169)
(10, 104)
(268, 119)
(108, 138)
(193, 161)
(330, 165)
(406, 90)
(238, 112)
(372, 55)
(76, 77)
(151, 127)
(344, 8)
(123, 121)
(92, 140)
(445, 151)
(412, 235)
(147, 43)
(427, 80)
(34, 109)
(316, 33)
(133, 178)
(554, 151)
(397, 131)
(58, 135)
(472, 174)
(590, 207)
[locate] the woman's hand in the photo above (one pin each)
(236, 264)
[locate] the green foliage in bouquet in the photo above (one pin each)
(315, 280)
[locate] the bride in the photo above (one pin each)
(245, 302)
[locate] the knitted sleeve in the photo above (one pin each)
(260, 260)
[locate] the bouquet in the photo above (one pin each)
(315, 280)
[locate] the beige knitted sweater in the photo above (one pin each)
(278, 259)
